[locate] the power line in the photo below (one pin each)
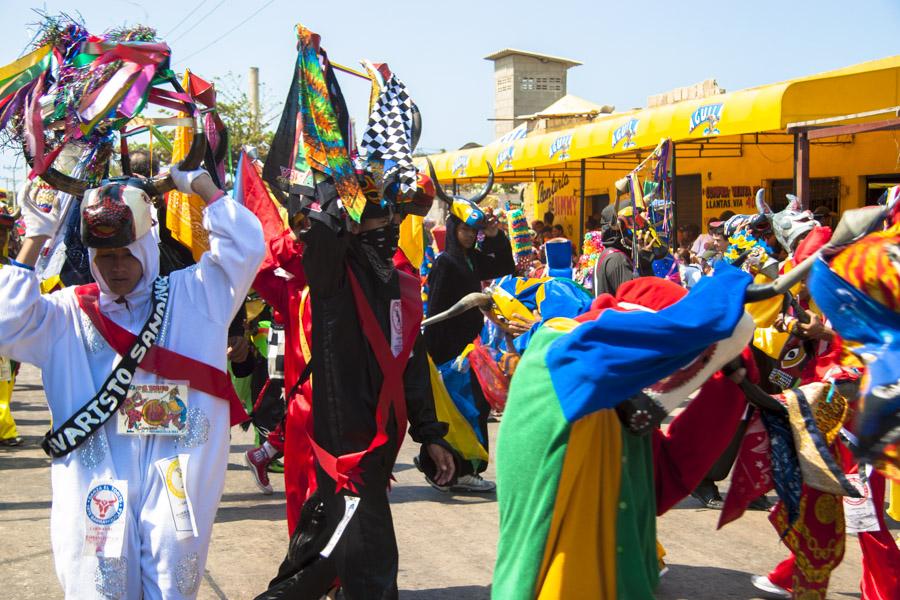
(199, 21)
(185, 18)
(225, 35)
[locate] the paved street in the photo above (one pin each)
(447, 543)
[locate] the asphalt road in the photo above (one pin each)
(447, 543)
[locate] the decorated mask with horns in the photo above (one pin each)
(790, 224)
(464, 209)
(116, 214)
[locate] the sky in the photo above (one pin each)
(630, 49)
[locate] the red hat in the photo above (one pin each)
(817, 238)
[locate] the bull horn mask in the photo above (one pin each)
(855, 224)
(156, 186)
(465, 209)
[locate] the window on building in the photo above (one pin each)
(823, 191)
(504, 84)
(527, 83)
(540, 83)
(555, 84)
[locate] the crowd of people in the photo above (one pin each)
(343, 323)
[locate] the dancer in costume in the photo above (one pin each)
(290, 298)
(134, 496)
(458, 271)
(814, 531)
(9, 435)
(620, 231)
(121, 525)
(582, 470)
(369, 364)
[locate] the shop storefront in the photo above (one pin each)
(831, 137)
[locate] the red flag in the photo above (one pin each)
(257, 199)
(752, 475)
(201, 90)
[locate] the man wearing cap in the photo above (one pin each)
(133, 370)
(823, 215)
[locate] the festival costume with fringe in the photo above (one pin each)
(578, 493)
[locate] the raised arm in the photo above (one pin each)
(219, 282)
(29, 322)
(285, 252)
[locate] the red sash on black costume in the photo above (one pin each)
(345, 469)
(160, 361)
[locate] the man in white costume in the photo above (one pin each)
(134, 503)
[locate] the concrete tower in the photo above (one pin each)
(525, 83)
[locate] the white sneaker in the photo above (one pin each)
(763, 583)
(473, 483)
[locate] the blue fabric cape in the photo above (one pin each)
(603, 362)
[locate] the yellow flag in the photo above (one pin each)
(412, 239)
(460, 434)
(184, 212)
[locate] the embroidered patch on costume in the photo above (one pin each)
(197, 431)
(154, 409)
(781, 379)
(187, 574)
(105, 517)
(173, 476)
(110, 577)
(350, 505)
(396, 327)
(94, 450)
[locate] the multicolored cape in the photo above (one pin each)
(858, 289)
(575, 489)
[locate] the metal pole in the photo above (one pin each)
(673, 192)
(801, 167)
(581, 211)
(253, 82)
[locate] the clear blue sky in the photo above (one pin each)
(629, 49)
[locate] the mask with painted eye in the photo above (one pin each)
(793, 357)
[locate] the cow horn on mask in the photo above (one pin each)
(855, 224)
(481, 300)
(464, 209)
(789, 224)
(156, 186)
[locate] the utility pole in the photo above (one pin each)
(253, 80)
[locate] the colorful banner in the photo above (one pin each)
(184, 212)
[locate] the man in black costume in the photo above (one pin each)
(369, 368)
(458, 271)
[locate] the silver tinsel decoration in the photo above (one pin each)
(187, 574)
(94, 450)
(196, 430)
(92, 338)
(110, 577)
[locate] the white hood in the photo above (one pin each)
(146, 250)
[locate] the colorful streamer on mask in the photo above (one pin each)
(324, 149)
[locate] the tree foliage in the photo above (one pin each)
(233, 106)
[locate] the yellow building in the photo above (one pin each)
(831, 138)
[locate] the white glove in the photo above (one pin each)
(39, 222)
(184, 179)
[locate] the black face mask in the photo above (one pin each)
(383, 240)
